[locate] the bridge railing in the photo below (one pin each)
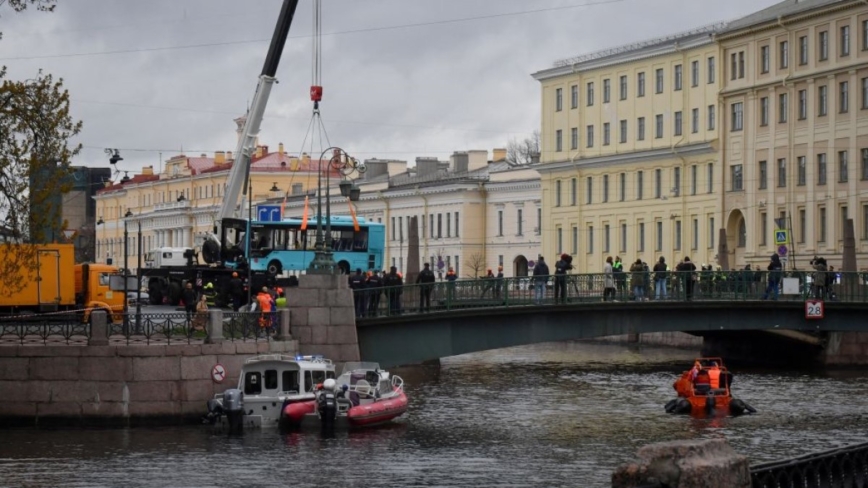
(846, 466)
(738, 286)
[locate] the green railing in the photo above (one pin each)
(735, 286)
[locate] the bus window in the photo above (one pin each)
(360, 240)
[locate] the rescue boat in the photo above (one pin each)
(700, 398)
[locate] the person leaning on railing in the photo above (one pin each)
(426, 280)
(540, 279)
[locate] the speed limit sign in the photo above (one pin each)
(814, 309)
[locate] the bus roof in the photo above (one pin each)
(335, 219)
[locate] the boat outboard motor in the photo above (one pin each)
(233, 407)
(326, 405)
(215, 411)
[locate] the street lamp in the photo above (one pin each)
(138, 270)
(323, 261)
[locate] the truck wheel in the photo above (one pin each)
(155, 297)
(210, 252)
(275, 268)
(174, 293)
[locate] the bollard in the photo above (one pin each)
(708, 463)
(98, 328)
(283, 334)
(215, 327)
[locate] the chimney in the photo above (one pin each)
(220, 157)
(229, 156)
(293, 163)
(459, 162)
(534, 158)
(477, 159)
(305, 162)
(148, 171)
(258, 153)
(280, 149)
(265, 150)
(498, 154)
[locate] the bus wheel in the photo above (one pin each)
(275, 268)
(344, 267)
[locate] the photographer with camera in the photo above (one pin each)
(561, 267)
(818, 277)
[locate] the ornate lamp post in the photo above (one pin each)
(138, 270)
(323, 262)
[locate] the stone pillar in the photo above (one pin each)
(722, 251)
(283, 334)
(707, 463)
(215, 327)
(323, 317)
(98, 329)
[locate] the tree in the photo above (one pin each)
(523, 152)
(19, 5)
(476, 262)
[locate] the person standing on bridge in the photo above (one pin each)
(190, 298)
(561, 267)
(540, 279)
(375, 289)
(608, 280)
(661, 274)
(426, 280)
(359, 287)
(686, 271)
(775, 269)
(620, 276)
(637, 280)
(393, 290)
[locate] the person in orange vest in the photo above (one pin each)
(702, 382)
(264, 300)
(714, 375)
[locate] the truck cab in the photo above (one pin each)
(93, 290)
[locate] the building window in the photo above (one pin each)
(803, 170)
(763, 228)
(589, 190)
(782, 173)
(394, 229)
(678, 77)
(448, 224)
(822, 100)
(676, 181)
(678, 123)
(694, 73)
(710, 178)
(659, 237)
(574, 96)
(763, 175)
(640, 183)
(864, 222)
(559, 140)
(590, 239)
(694, 177)
(764, 111)
(694, 120)
(844, 96)
(803, 104)
(677, 235)
(742, 233)
(439, 226)
(741, 64)
(802, 225)
(658, 183)
(765, 59)
(606, 133)
(558, 193)
(711, 232)
(623, 87)
(736, 176)
(864, 93)
(782, 108)
(821, 169)
(694, 244)
(607, 90)
(640, 84)
(500, 223)
(821, 225)
(457, 227)
(711, 70)
(590, 94)
(640, 128)
(606, 238)
(824, 45)
(623, 238)
(845, 40)
(520, 222)
(865, 35)
(574, 138)
(623, 131)
(843, 214)
(733, 66)
(590, 136)
(658, 131)
(431, 233)
(843, 172)
(865, 164)
(784, 54)
(560, 240)
(641, 239)
(538, 229)
(575, 240)
(559, 99)
(711, 117)
(605, 188)
(622, 187)
(803, 50)
(658, 85)
(737, 116)
(574, 190)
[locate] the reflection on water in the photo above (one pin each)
(562, 414)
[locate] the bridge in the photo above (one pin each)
(476, 315)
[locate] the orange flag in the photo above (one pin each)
(304, 216)
(353, 213)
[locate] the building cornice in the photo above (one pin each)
(783, 21)
(628, 158)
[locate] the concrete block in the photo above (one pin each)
(319, 334)
(708, 463)
(16, 391)
(106, 369)
(198, 391)
(156, 368)
(103, 409)
(197, 368)
(100, 351)
(154, 391)
(233, 366)
(343, 334)
(8, 351)
(212, 349)
(249, 348)
(193, 408)
(308, 281)
(262, 347)
(349, 352)
(54, 368)
(50, 351)
(142, 351)
(302, 333)
(17, 409)
(342, 316)
(318, 316)
(74, 391)
(328, 351)
(191, 349)
(58, 409)
(302, 298)
(14, 368)
(175, 349)
(298, 317)
(850, 349)
(228, 347)
(340, 298)
(153, 409)
(111, 391)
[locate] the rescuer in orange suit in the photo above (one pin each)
(714, 375)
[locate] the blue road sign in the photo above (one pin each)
(781, 237)
(268, 213)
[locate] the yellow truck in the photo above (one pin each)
(54, 283)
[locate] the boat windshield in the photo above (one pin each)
(356, 366)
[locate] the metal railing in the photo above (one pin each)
(736, 286)
(159, 328)
(845, 467)
(45, 329)
(249, 326)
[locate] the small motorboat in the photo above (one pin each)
(270, 385)
(705, 390)
(362, 396)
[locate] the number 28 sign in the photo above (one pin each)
(814, 309)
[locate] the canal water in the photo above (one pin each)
(548, 415)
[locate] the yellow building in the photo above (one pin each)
(795, 139)
(629, 160)
(178, 206)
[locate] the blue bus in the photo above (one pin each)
(281, 246)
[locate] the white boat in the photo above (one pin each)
(266, 385)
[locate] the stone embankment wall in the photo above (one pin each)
(672, 339)
(845, 349)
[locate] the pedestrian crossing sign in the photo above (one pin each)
(781, 237)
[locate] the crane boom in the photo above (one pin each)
(241, 167)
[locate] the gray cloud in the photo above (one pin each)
(395, 92)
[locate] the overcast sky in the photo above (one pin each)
(402, 78)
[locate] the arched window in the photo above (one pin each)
(742, 233)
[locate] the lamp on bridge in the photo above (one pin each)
(127, 216)
(323, 262)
